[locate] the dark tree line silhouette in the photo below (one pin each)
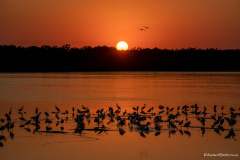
(102, 58)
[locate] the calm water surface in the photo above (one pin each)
(126, 89)
(44, 90)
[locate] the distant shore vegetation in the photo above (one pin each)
(103, 58)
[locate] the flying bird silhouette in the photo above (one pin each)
(144, 28)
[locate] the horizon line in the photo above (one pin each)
(70, 46)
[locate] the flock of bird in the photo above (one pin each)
(144, 120)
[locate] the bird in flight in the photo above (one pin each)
(144, 28)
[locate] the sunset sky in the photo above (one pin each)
(173, 23)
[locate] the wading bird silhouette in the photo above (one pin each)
(145, 120)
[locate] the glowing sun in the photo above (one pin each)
(122, 46)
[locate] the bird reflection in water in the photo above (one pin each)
(175, 121)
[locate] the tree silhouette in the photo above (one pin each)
(102, 58)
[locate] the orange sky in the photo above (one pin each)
(173, 23)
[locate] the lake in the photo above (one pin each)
(126, 89)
